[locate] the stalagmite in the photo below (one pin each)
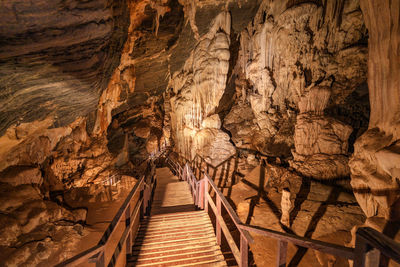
(286, 207)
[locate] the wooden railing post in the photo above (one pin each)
(206, 194)
(281, 253)
(244, 252)
(201, 199)
(360, 251)
(145, 199)
(128, 224)
(98, 259)
(372, 258)
(198, 194)
(218, 225)
(100, 262)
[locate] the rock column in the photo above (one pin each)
(375, 164)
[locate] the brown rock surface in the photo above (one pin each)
(230, 81)
(375, 162)
(321, 142)
(56, 57)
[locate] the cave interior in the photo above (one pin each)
(291, 107)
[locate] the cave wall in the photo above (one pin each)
(82, 105)
(90, 89)
(56, 57)
(375, 164)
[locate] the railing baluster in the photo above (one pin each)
(281, 253)
(373, 258)
(201, 200)
(244, 252)
(360, 251)
(205, 195)
(127, 224)
(100, 262)
(218, 225)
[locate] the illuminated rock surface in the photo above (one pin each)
(91, 89)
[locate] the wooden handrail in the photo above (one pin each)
(126, 216)
(333, 249)
(367, 239)
(202, 199)
(229, 209)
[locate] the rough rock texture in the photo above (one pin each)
(320, 140)
(271, 66)
(213, 78)
(32, 229)
(153, 30)
(40, 165)
(58, 60)
(375, 164)
(137, 131)
(56, 57)
(293, 46)
(198, 89)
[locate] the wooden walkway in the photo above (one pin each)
(176, 234)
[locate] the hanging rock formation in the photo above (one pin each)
(198, 89)
(291, 47)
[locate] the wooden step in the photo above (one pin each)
(184, 262)
(182, 217)
(176, 256)
(147, 239)
(177, 218)
(165, 249)
(179, 214)
(187, 242)
(173, 251)
(165, 226)
(183, 239)
(175, 222)
(174, 232)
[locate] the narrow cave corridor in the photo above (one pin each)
(200, 133)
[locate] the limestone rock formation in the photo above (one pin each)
(32, 229)
(375, 163)
(292, 47)
(201, 85)
(91, 89)
(321, 142)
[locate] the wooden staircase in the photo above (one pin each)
(176, 234)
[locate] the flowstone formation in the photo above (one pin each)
(289, 49)
(198, 89)
(255, 79)
(320, 140)
(375, 164)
